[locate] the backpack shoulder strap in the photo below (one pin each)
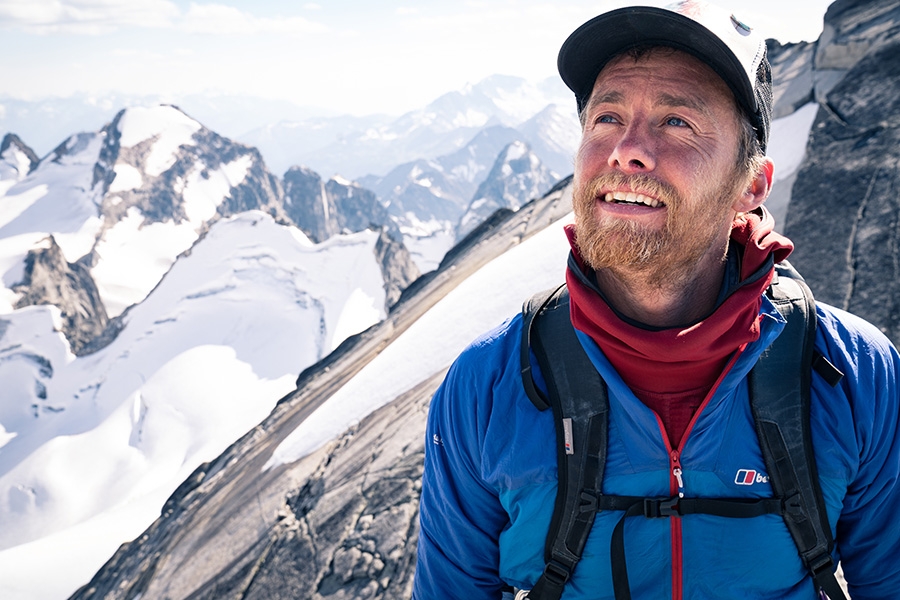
(780, 401)
(577, 395)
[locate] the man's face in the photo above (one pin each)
(656, 175)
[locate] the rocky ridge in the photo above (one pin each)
(844, 215)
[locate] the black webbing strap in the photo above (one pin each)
(781, 376)
(580, 407)
(653, 508)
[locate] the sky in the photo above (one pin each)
(342, 56)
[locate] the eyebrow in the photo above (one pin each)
(607, 98)
(663, 99)
(681, 101)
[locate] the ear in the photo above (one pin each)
(757, 189)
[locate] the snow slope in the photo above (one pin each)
(86, 464)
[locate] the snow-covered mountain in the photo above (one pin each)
(127, 200)
(428, 198)
(516, 174)
(355, 147)
(43, 122)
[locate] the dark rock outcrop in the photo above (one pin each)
(49, 279)
(17, 159)
(844, 214)
(517, 176)
(323, 209)
(397, 267)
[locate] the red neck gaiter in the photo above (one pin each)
(673, 370)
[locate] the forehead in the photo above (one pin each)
(663, 71)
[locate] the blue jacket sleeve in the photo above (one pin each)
(460, 515)
(868, 530)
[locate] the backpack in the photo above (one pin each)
(780, 400)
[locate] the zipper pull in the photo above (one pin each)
(677, 473)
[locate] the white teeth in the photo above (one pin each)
(632, 198)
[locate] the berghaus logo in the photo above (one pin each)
(749, 477)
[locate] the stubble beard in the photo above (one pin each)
(659, 256)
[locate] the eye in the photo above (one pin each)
(676, 122)
(606, 119)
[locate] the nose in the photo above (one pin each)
(633, 153)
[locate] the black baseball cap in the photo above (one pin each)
(733, 49)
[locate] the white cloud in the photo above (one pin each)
(98, 17)
(92, 17)
(221, 19)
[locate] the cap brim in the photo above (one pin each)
(591, 46)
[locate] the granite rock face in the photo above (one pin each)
(49, 279)
(326, 208)
(844, 215)
(17, 159)
(517, 176)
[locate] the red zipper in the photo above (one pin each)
(676, 487)
(676, 481)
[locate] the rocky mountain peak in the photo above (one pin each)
(517, 175)
(50, 279)
(162, 162)
(17, 159)
(326, 208)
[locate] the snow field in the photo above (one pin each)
(200, 361)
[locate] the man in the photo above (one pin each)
(672, 254)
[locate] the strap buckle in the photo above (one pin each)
(556, 573)
(655, 508)
(821, 563)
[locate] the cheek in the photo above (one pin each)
(591, 156)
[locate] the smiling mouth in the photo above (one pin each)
(632, 198)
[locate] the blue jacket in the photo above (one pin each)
(490, 479)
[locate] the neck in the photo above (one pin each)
(672, 298)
